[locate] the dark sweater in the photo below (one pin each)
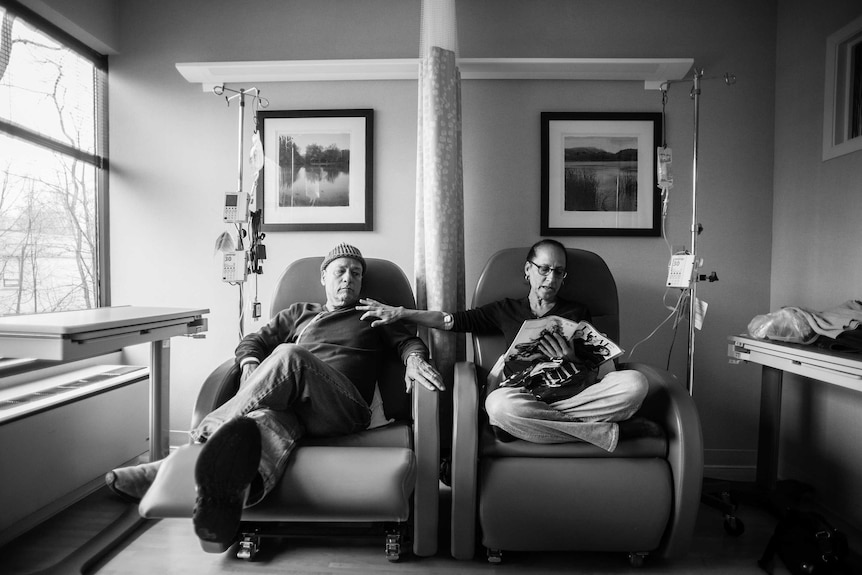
(338, 338)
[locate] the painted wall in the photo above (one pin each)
(818, 251)
(174, 153)
(502, 170)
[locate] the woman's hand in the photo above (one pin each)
(384, 314)
(555, 345)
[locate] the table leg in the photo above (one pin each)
(160, 384)
(768, 433)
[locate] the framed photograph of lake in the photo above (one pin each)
(599, 174)
(318, 170)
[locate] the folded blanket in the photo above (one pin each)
(834, 321)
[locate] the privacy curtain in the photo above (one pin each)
(439, 241)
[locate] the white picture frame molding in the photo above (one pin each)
(838, 91)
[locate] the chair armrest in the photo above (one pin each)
(218, 387)
(426, 444)
(465, 448)
(669, 404)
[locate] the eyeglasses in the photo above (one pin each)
(546, 270)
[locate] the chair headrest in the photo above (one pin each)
(300, 282)
(383, 281)
(589, 282)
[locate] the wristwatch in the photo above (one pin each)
(448, 321)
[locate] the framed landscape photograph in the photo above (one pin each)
(599, 174)
(318, 171)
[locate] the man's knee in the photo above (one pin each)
(285, 350)
(286, 354)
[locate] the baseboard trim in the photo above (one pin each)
(730, 464)
(55, 507)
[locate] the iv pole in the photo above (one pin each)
(241, 94)
(723, 500)
(696, 228)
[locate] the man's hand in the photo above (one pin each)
(383, 313)
(421, 372)
(555, 345)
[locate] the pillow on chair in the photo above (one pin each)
(378, 416)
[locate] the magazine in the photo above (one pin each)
(591, 346)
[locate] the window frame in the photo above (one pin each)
(99, 159)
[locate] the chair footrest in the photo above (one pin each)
(320, 483)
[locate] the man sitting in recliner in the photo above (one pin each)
(311, 370)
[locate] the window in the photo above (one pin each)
(53, 167)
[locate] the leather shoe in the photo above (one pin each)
(131, 483)
(224, 471)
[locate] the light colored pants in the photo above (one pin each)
(588, 416)
(291, 394)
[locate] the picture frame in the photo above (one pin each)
(599, 174)
(842, 98)
(318, 170)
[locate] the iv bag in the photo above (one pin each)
(224, 243)
(255, 155)
(664, 156)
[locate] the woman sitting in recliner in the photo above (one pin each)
(591, 413)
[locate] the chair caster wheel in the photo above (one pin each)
(393, 547)
(637, 559)
(495, 556)
(733, 525)
(248, 547)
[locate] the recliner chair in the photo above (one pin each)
(382, 475)
(641, 499)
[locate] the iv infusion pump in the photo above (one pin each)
(679, 271)
(236, 207)
(234, 266)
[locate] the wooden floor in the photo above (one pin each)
(169, 546)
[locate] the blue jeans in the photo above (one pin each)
(588, 416)
(291, 394)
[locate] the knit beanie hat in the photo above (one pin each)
(343, 250)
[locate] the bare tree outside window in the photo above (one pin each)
(51, 126)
